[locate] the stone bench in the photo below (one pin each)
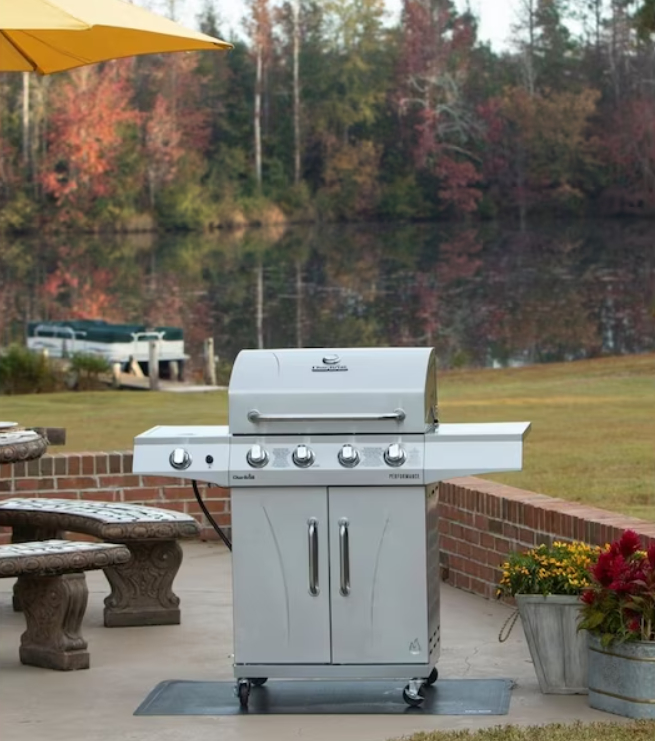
(53, 595)
(141, 589)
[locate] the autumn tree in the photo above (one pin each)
(629, 149)
(539, 148)
(436, 121)
(177, 127)
(91, 113)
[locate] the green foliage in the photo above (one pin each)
(223, 372)
(296, 201)
(645, 19)
(401, 199)
(184, 206)
(86, 369)
(562, 568)
(23, 371)
(18, 214)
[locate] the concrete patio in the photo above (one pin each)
(127, 663)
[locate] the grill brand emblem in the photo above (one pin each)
(331, 364)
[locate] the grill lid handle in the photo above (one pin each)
(256, 416)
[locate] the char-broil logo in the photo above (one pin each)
(404, 476)
(246, 477)
(331, 364)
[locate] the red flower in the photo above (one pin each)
(629, 544)
(588, 596)
(602, 570)
(620, 578)
(619, 568)
(638, 577)
(635, 625)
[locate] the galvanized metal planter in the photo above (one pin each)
(558, 650)
(622, 678)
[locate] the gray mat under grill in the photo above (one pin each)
(296, 697)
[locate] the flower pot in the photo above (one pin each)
(622, 677)
(558, 650)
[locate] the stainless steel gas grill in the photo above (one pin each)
(333, 459)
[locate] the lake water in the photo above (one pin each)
(486, 295)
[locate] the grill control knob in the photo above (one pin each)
(179, 459)
(303, 456)
(257, 457)
(395, 455)
(348, 456)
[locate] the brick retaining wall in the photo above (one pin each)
(480, 521)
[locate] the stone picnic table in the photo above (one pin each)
(19, 444)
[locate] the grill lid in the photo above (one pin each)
(340, 390)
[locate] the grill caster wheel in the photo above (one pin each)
(258, 681)
(243, 692)
(413, 697)
(432, 677)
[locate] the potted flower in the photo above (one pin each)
(546, 583)
(618, 613)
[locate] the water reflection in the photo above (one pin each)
(490, 295)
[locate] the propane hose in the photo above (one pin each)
(212, 521)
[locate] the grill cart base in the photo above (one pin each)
(417, 676)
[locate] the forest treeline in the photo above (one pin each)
(325, 112)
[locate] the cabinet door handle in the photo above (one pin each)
(344, 553)
(312, 536)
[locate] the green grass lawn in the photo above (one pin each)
(592, 437)
(593, 427)
(631, 731)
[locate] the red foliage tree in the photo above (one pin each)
(629, 146)
(178, 125)
(91, 108)
(433, 69)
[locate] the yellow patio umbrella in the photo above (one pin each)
(54, 35)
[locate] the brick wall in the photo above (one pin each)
(480, 521)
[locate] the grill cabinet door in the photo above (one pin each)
(378, 575)
(279, 617)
